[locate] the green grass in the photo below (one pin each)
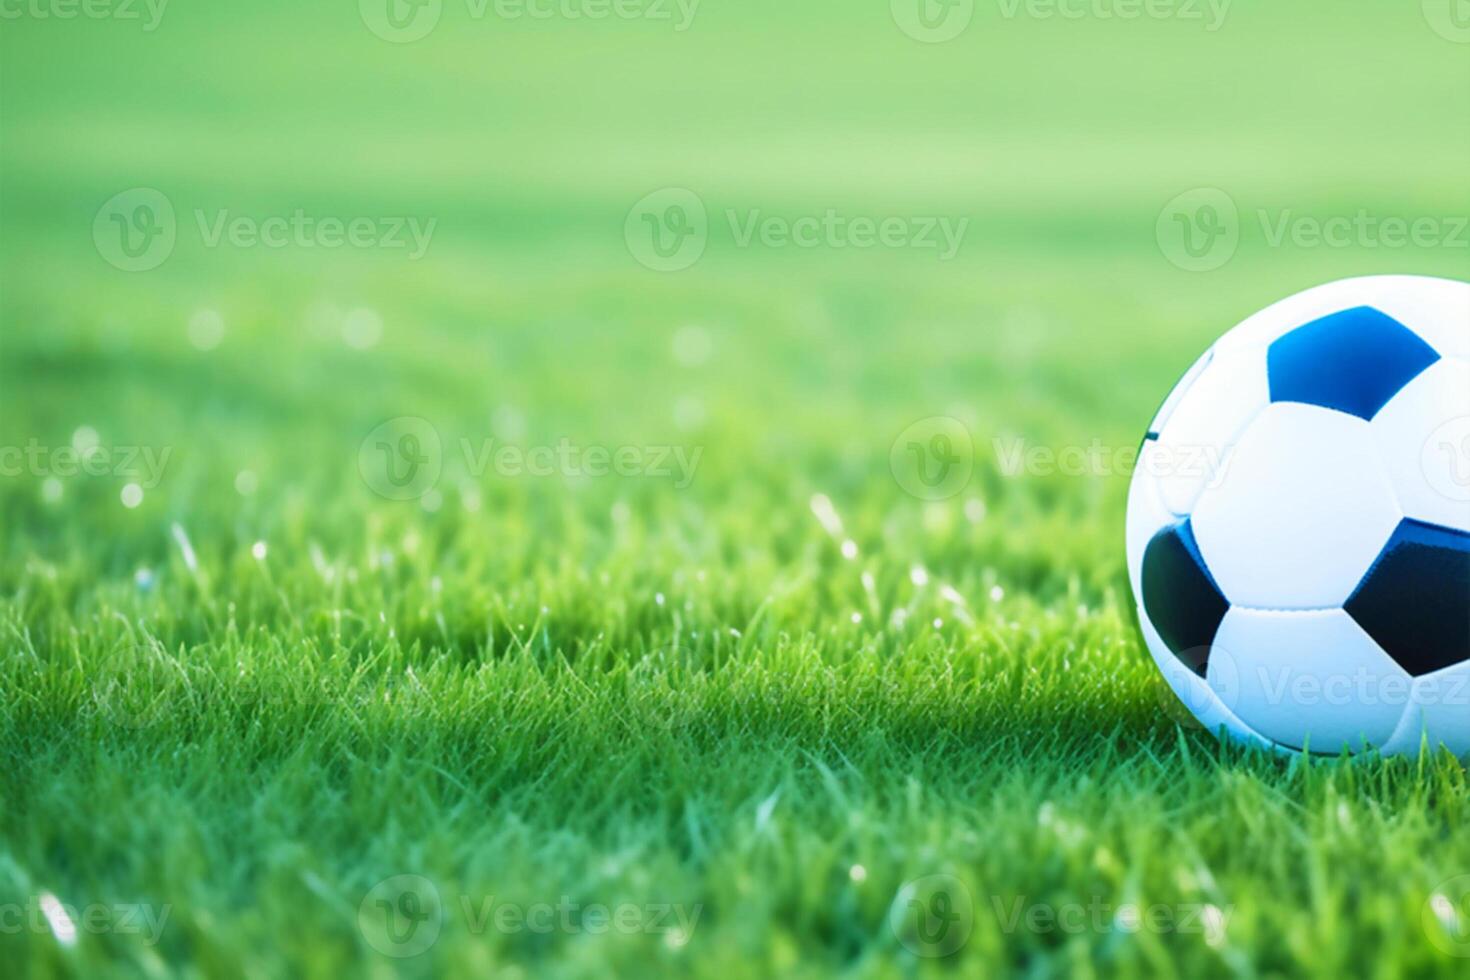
(697, 700)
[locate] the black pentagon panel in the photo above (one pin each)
(1415, 600)
(1354, 362)
(1181, 597)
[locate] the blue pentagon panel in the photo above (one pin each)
(1415, 600)
(1180, 596)
(1354, 362)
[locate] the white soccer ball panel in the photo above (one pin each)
(1300, 512)
(1439, 713)
(1205, 423)
(1423, 436)
(1311, 679)
(1166, 410)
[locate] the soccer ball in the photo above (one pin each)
(1299, 523)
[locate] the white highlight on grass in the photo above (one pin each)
(362, 328)
(658, 598)
(974, 510)
(689, 413)
(61, 925)
(246, 483)
(857, 618)
(849, 549)
(51, 490)
(132, 496)
(258, 551)
(469, 496)
(676, 938)
(919, 575)
(432, 501)
(186, 549)
(997, 593)
(1214, 923)
(826, 514)
(143, 578)
(857, 874)
(206, 329)
(765, 810)
(692, 345)
(85, 439)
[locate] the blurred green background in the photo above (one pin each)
(1070, 143)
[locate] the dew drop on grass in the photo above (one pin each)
(132, 496)
(258, 551)
(51, 490)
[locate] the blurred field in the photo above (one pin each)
(774, 692)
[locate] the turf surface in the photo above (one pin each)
(756, 698)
